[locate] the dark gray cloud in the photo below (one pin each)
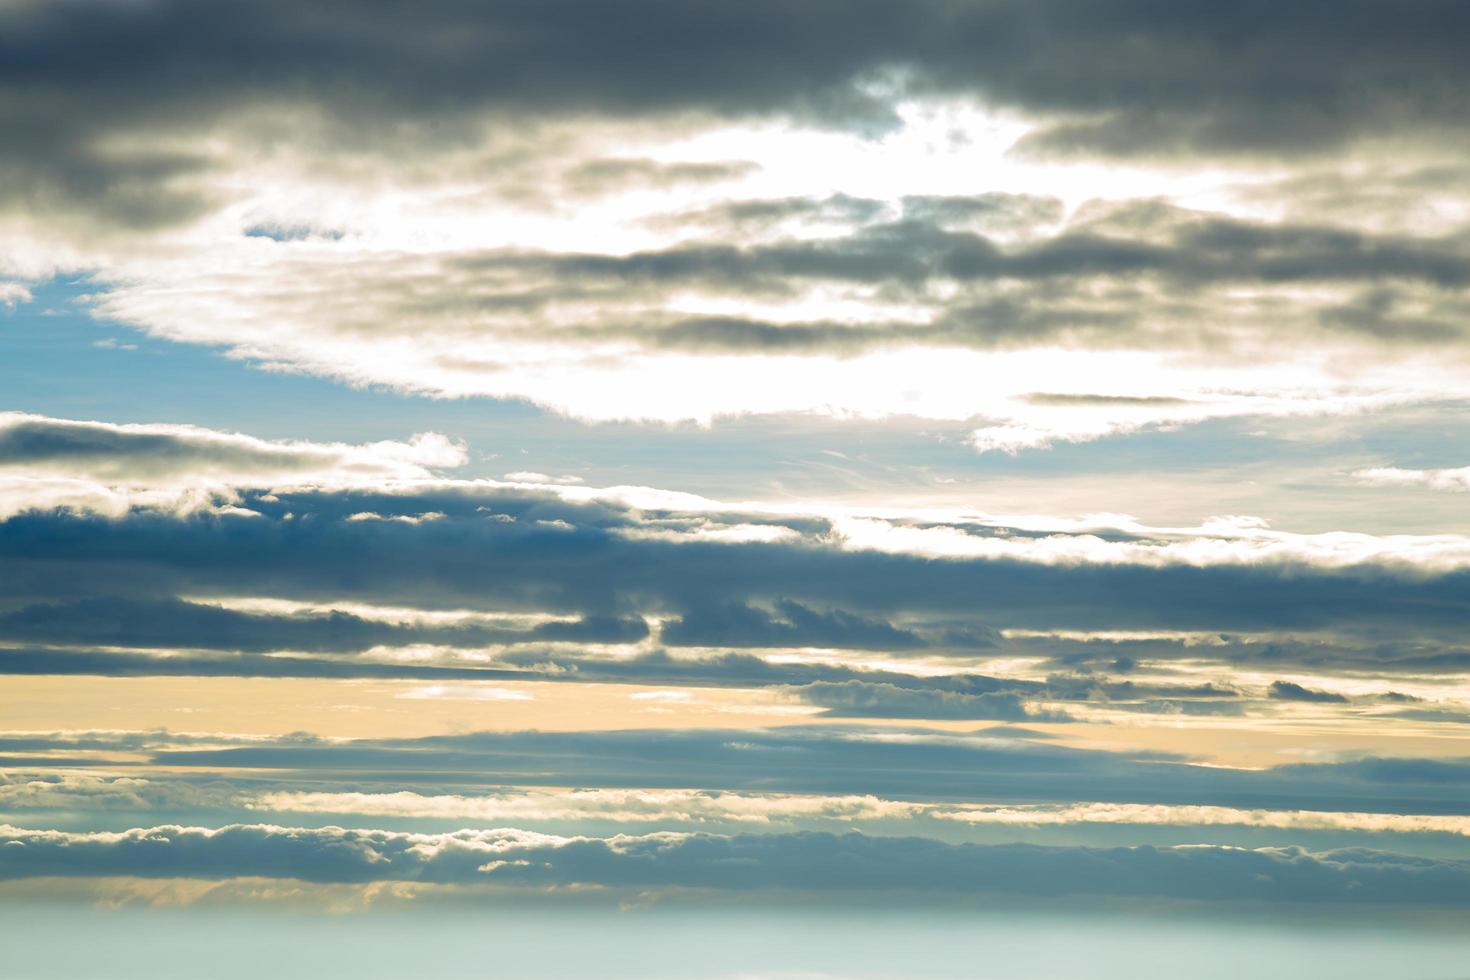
(756, 215)
(844, 691)
(1287, 691)
(1143, 274)
(609, 175)
(1450, 715)
(32, 441)
(859, 699)
(94, 663)
(789, 624)
(996, 211)
(1179, 706)
(139, 454)
(803, 862)
(1186, 248)
(172, 623)
(407, 77)
(1401, 651)
(574, 558)
(1389, 314)
(1126, 78)
(911, 764)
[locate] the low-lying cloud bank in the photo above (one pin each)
(1003, 765)
(731, 574)
(24, 795)
(804, 862)
(162, 550)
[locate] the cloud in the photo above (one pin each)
(762, 218)
(12, 294)
(154, 453)
(622, 806)
(569, 550)
(548, 219)
(172, 624)
(1454, 480)
(488, 581)
(845, 691)
(790, 625)
(465, 692)
(92, 793)
(655, 211)
(1287, 691)
(48, 462)
(859, 699)
(902, 764)
(1202, 816)
(993, 212)
(73, 791)
(610, 175)
(886, 318)
(804, 862)
(681, 806)
(601, 563)
(1128, 79)
(89, 794)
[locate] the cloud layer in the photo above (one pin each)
(804, 862)
(774, 373)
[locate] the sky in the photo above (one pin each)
(962, 488)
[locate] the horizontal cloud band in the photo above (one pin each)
(999, 765)
(804, 862)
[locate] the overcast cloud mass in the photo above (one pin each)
(644, 488)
